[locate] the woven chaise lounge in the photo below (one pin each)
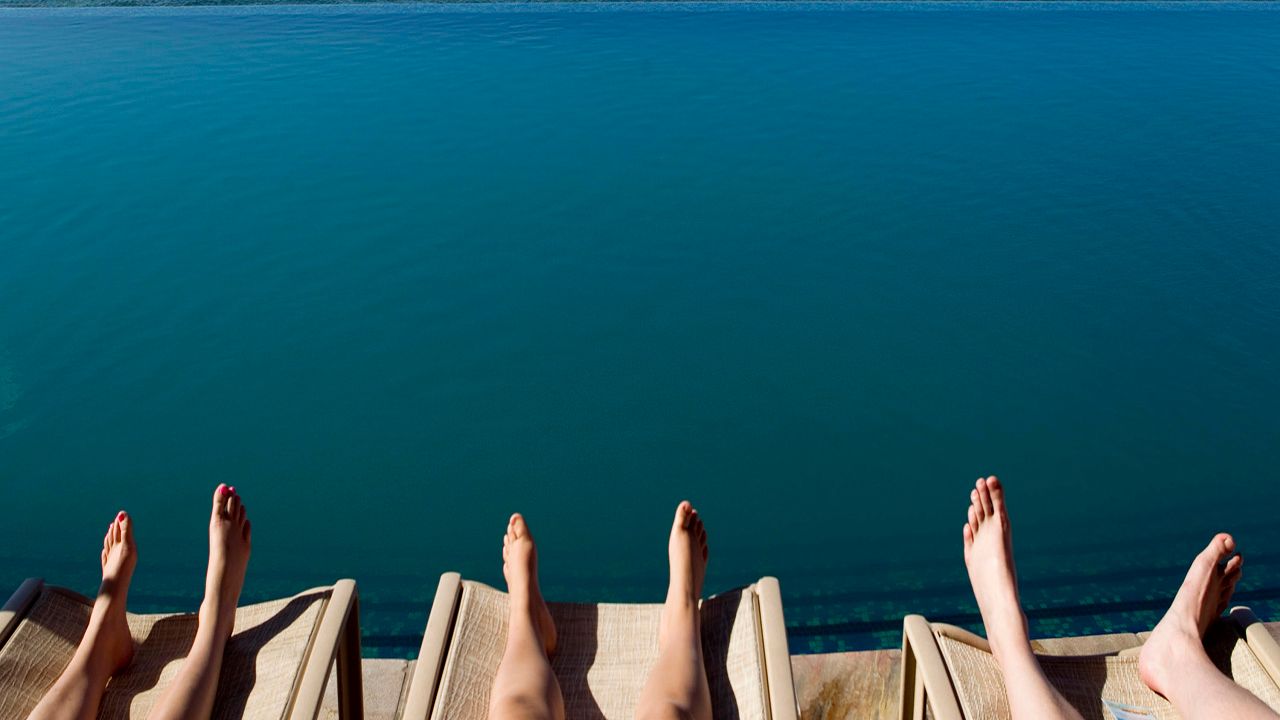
(951, 673)
(275, 667)
(604, 654)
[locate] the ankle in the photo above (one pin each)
(1174, 675)
(1012, 641)
(1178, 649)
(1014, 655)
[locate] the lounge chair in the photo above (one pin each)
(604, 655)
(275, 666)
(951, 671)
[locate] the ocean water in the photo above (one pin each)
(398, 271)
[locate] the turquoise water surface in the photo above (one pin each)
(397, 271)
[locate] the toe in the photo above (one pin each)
(1222, 544)
(1224, 595)
(997, 495)
(248, 531)
(126, 527)
(984, 494)
(242, 513)
(220, 498)
(1232, 568)
(683, 510)
(1219, 547)
(973, 520)
(222, 501)
(976, 502)
(967, 532)
(232, 511)
(519, 527)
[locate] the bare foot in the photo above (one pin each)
(1203, 597)
(108, 626)
(229, 546)
(687, 551)
(520, 568)
(988, 556)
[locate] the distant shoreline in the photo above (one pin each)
(637, 5)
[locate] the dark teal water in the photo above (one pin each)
(397, 271)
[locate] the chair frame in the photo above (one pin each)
(1259, 640)
(428, 673)
(335, 638)
(926, 682)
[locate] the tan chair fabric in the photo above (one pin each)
(1085, 680)
(259, 670)
(604, 655)
(1086, 644)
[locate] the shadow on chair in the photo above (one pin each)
(715, 652)
(580, 626)
(169, 641)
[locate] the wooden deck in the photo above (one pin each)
(838, 686)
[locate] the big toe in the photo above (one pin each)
(684, 512)
(221, 494)
(126, 528)
(1221, 545)
(518, 528)
(1207, 561)
(997, 494)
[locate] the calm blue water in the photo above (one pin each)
(396, 271)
